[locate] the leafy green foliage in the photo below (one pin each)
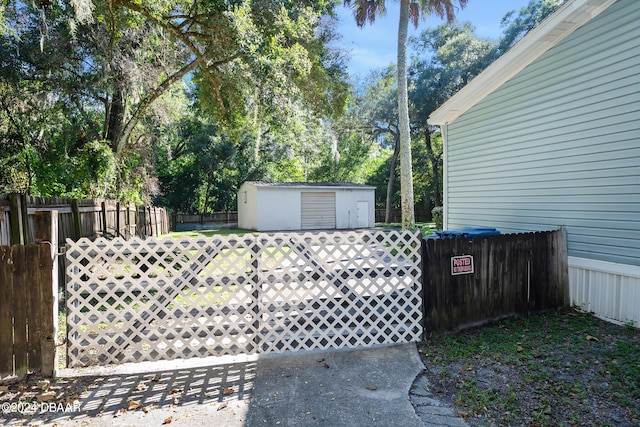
(181, 102)
(116, 72)
(517, 26)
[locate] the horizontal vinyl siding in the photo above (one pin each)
(559, 144)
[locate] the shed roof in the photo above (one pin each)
(569, 17)
(303, 185)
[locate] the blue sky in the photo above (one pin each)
(374, 46)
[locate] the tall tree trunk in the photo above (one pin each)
(392, 180)
(206, 194)
(435, 167)
(116, 117)
(257, 126)
(406, 174)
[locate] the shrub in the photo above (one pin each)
(437, 215)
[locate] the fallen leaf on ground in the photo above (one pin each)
(141, 387)
(371, 387)
(175, 390)
(46, 396)
(227, 391)
(167, 421)
(133, 405)
(326, 366)
(222, 406)
(590, 338)
(519, 348)
(321, 360)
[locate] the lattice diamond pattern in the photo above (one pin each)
(141, 300)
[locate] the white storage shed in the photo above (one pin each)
(270, 206)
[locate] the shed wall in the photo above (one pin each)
(278, 209)
(559, 145)
(347, 207)
(248, 207)
(270, 208)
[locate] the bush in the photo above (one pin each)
(437, 215)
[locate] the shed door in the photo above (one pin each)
(318, 210)
(363, 214)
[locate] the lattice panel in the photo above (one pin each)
(140, 300)
(334, 290)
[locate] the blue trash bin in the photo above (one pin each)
(467, 232)
(471, 232)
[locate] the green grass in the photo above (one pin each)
(426, 228)
(209, 233)
(540, 370)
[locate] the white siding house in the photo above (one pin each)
(549, 136)
(270, 206)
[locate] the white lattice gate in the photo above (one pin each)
(158, 299)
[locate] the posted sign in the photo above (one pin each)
(461, 265)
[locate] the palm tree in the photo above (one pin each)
(366, 11)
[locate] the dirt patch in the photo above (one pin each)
(545, 370)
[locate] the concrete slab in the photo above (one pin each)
(343, 388)
(332, 388)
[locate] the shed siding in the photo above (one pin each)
(347, 207)
(248, 207)
(278, 209)
(559, 144)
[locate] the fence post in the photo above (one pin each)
(117, 219)
(75, 214)
(103, 216)
(18, 219)
(47, 232)
(151, 218)
(127, 221)
(6, 312)
(20, 340)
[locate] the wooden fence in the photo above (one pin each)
(78, 218)
(201, 219)
(28, 303)
(469, 283)
(422, 214)
(184, 221)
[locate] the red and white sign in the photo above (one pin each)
(461, 265)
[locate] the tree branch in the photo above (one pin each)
(148, 100)
(201, 60)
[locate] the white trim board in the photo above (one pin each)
(605, 267)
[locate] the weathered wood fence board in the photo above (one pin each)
(27, 309)
(514, 274)
(421, 213)
(181, 219)
(78, 218)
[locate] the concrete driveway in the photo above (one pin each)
(332, 388)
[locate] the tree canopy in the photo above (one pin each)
(180, 102)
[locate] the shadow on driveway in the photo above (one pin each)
(329, 388)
